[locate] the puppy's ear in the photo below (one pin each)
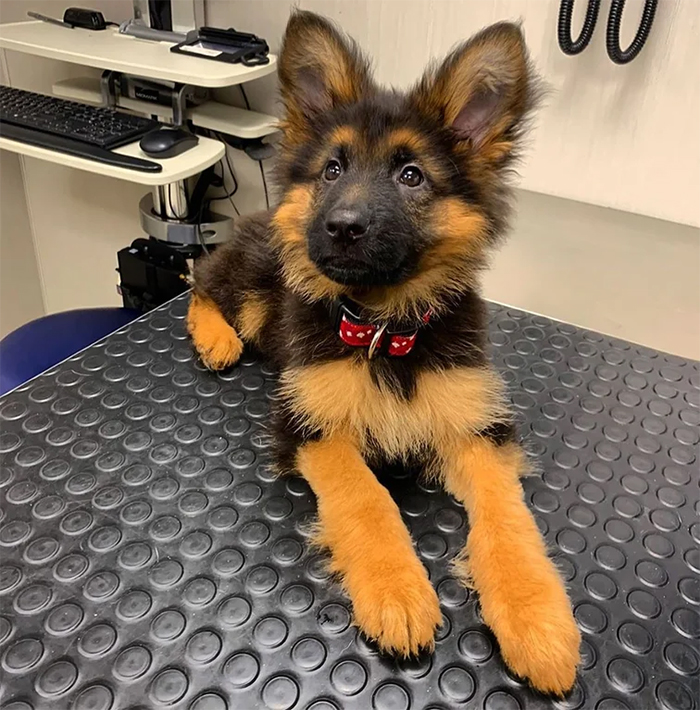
(319, 69)
(482, 92)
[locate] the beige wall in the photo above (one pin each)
(21, 293)
(21, 297)
(624, 137)
(627, 275)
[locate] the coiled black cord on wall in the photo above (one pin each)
(567, 45)
(612, 38)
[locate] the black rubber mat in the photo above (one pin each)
(149, 560)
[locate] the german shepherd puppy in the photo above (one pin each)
(362, 288)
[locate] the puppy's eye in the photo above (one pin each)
(333, 170)
(411, 176)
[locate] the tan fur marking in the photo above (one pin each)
(343, 136)
(523, 598)
(404, 138)
(339, 70)
(460, 229)
(293, 214)
(340, 396)
(251, 317)
(294, 131)
(415, 142)
(290, 223)
(393, 600)
(216, 341)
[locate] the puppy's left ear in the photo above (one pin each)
(319, 69)
(482, 92)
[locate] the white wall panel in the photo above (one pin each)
(619, 136)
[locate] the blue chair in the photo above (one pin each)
(42, 343)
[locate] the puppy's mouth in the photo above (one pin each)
(350, 272)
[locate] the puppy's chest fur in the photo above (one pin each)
(400, 407)
(343, 397)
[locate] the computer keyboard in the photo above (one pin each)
(103, 127)
(73, 128)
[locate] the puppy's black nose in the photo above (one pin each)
(347, 224)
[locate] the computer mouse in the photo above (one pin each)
(167, 142)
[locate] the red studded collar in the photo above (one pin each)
(377, 338)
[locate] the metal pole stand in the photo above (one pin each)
(165, 216)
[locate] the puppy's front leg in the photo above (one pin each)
(216, 341)
(393, 600)
(522, 596)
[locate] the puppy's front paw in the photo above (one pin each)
(544, 650)
(398, 608)
(216, 341)
(536, 631)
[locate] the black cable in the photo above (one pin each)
(612, 37)
(233, 177)
(566, 44)
(245, 96)
(260, 165)
(198, 197)
(264, 182)
(220, 163)
(230, 194)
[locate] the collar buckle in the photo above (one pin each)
(376, 340)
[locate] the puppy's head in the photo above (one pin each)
(394, 198)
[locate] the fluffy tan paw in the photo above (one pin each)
(398, 608)
(537, 633)
(216, 341)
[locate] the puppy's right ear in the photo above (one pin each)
(483, 93)
(319, 69)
